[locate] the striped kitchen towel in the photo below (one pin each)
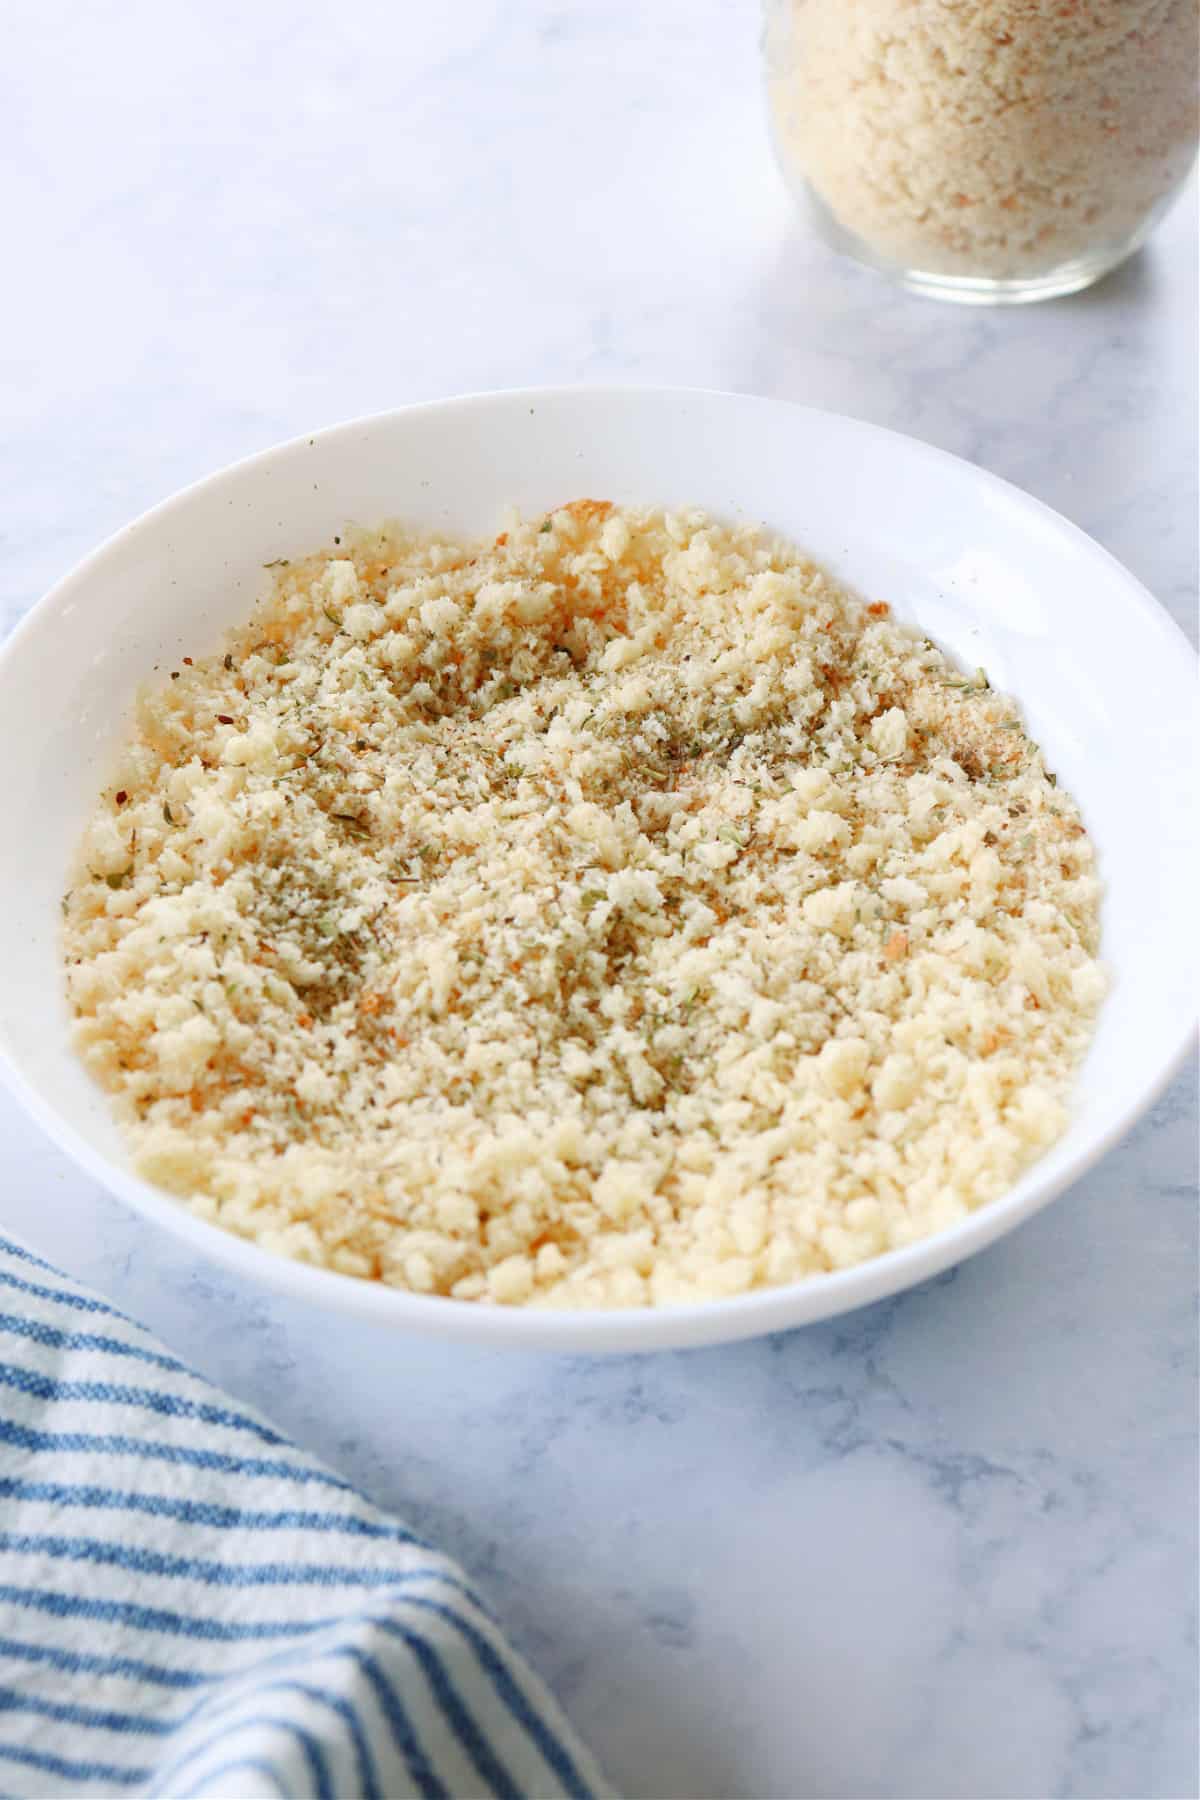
(191, 1605)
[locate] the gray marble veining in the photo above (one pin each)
(945, 1547)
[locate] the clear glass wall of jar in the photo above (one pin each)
(988, 150)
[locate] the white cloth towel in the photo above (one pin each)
(191, 1605)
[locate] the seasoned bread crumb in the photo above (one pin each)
(618, 913)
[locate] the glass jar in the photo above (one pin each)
(988, 150)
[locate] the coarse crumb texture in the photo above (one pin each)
(998, 138)
(618, 913)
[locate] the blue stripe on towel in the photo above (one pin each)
(90, 1718)
(71, 1770)
(86, 1662)
(188, 1625)
(109, 1393)
(101, 1444)
(22, 1253)
(193, 1568)
(53, 1337)
(61, 1296)
(200, 1512)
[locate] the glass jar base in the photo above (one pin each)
(1068, 278)
(980, 290)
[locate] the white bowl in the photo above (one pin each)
(1104, 677)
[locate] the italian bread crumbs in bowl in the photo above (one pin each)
(617, 913)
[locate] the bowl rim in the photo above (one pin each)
(629, 1329)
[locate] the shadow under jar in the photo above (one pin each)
(985, 150)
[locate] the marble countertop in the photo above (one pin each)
(947, 1546)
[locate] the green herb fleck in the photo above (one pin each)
(334, 618)
(118, 881)
(280, 562)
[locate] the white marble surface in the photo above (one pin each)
(945, 1547)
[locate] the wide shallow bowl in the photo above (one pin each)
(1104, 677)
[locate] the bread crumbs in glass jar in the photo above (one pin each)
(992, 150)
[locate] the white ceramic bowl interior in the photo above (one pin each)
(1104, 677)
